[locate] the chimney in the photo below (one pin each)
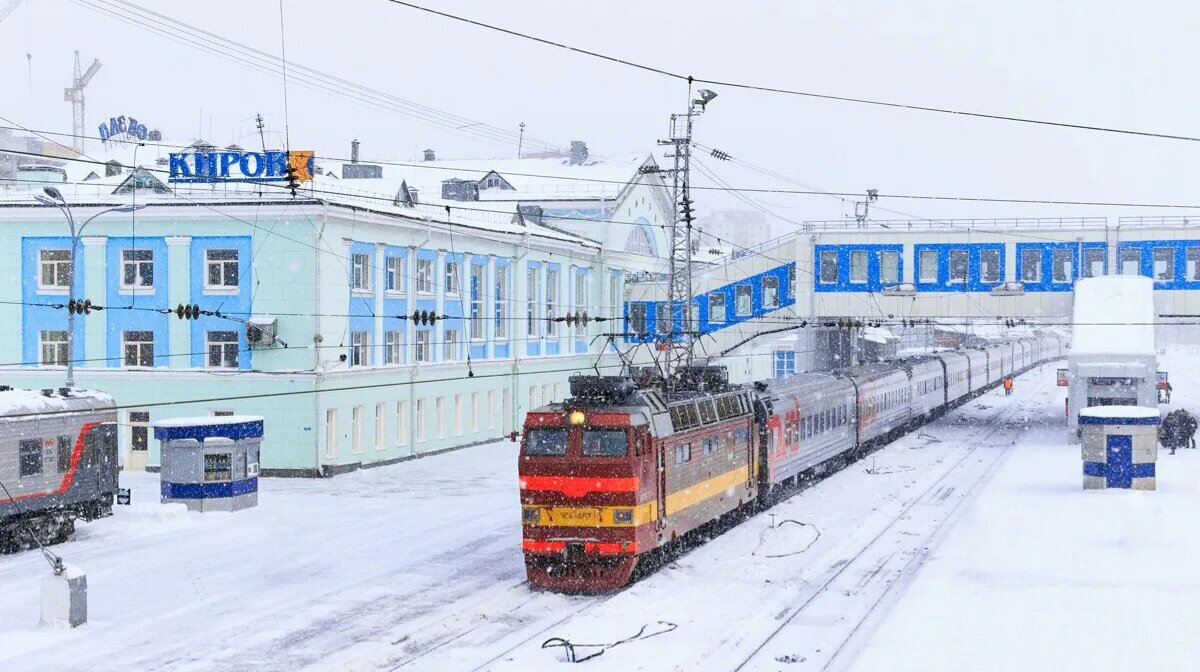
(354, 151)
(579, 152)
(429, 155)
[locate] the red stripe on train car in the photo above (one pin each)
(578, 486)
(70, 475)
(543, 546)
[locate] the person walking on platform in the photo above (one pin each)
(1007, 385)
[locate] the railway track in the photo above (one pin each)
(871, 576)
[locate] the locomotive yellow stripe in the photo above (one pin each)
(645, 512)
(592, 516)
(717, 485)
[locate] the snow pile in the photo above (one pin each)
(1119, 412)
(33, 402)
(1114, 315)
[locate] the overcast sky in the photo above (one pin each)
(1130, 65)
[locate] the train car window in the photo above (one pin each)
(741, 435)
(711, 445)
(708, 411)
(30, 458)
(604, 443)
(546, 442)
(64, 454)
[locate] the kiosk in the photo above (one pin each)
(1120, 446)
(210, 463)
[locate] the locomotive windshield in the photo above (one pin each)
(604, 443)
(546, 442)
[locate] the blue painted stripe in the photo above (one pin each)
(1098, 469)
(235, 431)
(1088, 420)
(1143, 470)
(209, 490)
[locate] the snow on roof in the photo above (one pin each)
(1119, 412)
(208, 420)
(878, 335)
(1114, 315)
(32, 402)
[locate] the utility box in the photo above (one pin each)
(210, 463)
(1120, 447)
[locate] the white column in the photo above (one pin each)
(378, 286)
(439, 288)
(95, 334)
(179, 290)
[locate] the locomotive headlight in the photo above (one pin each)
(531, 515)
(623, 516)
(576, 418)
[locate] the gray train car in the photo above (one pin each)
(58, 460)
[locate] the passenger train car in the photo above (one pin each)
(58, 462)
(617, 473)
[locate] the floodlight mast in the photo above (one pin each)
(680, 334)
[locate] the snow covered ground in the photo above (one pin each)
(968, 545)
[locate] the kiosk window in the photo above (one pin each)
(218, 467)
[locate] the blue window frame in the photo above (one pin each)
(857, 268)
(1172, 264)
(785, 363)
(1054, 267)
(958, 267)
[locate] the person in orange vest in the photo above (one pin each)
(1007, 385)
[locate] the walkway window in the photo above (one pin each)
(54, 348)
(1061, 265)
(742, 302)
(1093, 262)
(1193, 264)
(770, 285)
(55, 269)
(1131, 261)
(927, 263)
(637, 318)
(889, 267)
(716, 305)
(1031, 266)
(1164, 263)
(829, 269)
(958, 266)
(662, 317)
(858, 266)
(989, 266)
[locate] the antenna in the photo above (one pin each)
(521, 139)
(74, 95)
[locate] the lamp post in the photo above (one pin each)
(53, 196)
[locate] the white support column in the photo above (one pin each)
(378, 287)
(439, 288)
(179, 291)
(95, 335)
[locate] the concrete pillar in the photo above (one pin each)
(95, 335)
(179, 290)
(64, 598)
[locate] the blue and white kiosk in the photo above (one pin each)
(210, 463)
(1120, 446)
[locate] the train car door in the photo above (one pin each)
(660, 483)
(104, 447)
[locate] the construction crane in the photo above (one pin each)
(74, 95)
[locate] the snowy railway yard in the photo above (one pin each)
(968, 539)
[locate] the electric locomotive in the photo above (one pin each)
(58, 463)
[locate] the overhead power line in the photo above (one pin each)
(794, 92)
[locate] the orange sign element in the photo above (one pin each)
(302, 162)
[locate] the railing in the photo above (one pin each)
(922, 224)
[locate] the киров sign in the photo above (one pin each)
(230, 166)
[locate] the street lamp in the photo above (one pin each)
(53, 196)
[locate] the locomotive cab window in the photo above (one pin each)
(546, 442)
(604, 443)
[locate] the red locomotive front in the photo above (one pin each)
(587, 497)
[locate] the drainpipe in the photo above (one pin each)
(318, 377)
(513, 377)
